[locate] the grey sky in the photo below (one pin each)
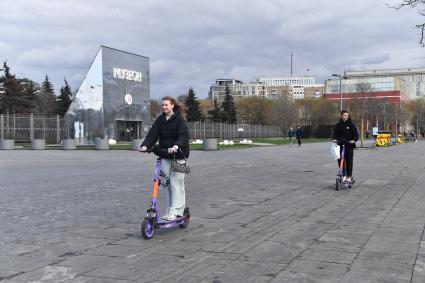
(191, 43)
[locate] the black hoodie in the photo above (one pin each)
(345, 131)
(173, 131)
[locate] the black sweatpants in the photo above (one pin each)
(347, 169)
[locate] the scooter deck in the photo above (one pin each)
(171, 223)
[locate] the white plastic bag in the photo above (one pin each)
(335, 151)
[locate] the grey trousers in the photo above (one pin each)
(172, 185)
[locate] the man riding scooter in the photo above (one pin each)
(346, 134)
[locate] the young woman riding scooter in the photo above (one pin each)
(171, 129)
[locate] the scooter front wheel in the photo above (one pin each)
(148, 228)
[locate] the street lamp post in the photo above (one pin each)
(340, 90)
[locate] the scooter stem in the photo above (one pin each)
(156, 180)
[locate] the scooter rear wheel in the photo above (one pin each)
(338, 184)
(186, 216)
(148, 228)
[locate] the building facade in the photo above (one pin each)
(414, 78)
(237, 88)
(112, 101)
(296, 84)
(393, 89)
(268, 87)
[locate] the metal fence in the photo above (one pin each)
(23, 129)
(202, 130)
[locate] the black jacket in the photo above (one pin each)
(345, 131)
(298, 133)
(173, 131)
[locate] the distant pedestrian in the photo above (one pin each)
(298, 135)
(367, 134)
(290, 134)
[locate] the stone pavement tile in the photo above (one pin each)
(391, 222)
(17, 249)
(181, 271)
(422, 245)
(242, 217)
(386, 256)
(133, 268)
(183, 249)
(48, 274)
(88, 279)
(268, 251)
(246, 243)
(83, 263)
(14, 265)
(115, 250)
(337, 246)
(253, 267)
(217, 212)
(365, 229)
(222, 235)
(308, 228)
(297, 277)
(216, 255)
(109, 232)
(138, 242)
(221, 277)
(351, 239)
(375, 183)
(321, 252)
(362, 214)
(377, 245)
(317, 269)
(378, 271)
(294, 240)
(70, 244)
(394, 235)
(419, 271)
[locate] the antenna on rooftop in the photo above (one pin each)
(291, 63)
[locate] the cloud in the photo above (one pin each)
(191, 43)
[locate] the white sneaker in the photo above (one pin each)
(348, 179)
(344, 178)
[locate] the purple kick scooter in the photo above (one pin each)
(153, 221)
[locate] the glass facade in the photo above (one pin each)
(374, 84)
(113, 99)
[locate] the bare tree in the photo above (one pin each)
(360, 106)
(155, 108)
(284, 113)
(414, 4)
(416, 113)
(254, 110)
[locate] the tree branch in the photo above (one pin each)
(422, 27)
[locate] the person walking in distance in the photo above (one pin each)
(346, 134)
(298, 135)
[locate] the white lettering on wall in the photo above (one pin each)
(128, 75)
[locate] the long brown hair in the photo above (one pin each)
(177, 106)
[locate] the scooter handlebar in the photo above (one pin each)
(344, 141)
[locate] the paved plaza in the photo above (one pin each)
(264, 214)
